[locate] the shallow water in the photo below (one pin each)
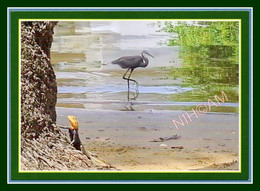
(81, 56)
(118, 88)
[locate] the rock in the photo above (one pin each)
(163, 145)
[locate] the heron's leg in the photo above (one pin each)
(127, 83)
(130, 74)
(132, 79)
(137, 85)
(126, 78)
(128, 98)
(129, 79)
(125, 74)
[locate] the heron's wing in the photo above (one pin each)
(128, 61)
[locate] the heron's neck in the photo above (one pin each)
(145, 61)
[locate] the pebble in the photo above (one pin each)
(163, 145)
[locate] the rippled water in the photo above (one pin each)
(113, 89)
(82, 52)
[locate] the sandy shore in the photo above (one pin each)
(124, 139)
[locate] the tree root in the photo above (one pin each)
(51, 151)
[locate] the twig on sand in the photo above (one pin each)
(161, 139)
(177, 147)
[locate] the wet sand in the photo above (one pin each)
(124, 139)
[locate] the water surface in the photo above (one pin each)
(82, 52)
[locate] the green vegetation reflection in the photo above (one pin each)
(209, 53)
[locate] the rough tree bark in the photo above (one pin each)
(38, 81)
(43, 145)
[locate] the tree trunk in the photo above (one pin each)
(38, 80)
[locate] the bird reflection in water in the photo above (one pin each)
(133, 95)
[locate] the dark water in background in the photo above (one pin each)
(82, 52)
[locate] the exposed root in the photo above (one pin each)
(52, 151)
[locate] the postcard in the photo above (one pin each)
(124, 95)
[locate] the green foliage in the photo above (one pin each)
(210, 56)
(203, 33)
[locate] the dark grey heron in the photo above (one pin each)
(132, 62)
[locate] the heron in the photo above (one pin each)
(132, 62)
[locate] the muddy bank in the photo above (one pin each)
(124, 138)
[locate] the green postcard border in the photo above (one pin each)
(244, 16)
